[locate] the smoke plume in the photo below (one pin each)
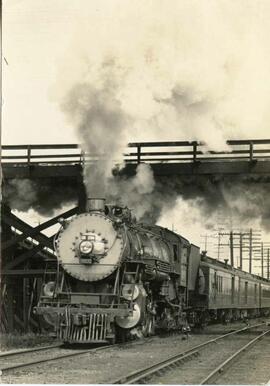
(208, 203)
(102, 126)
(181, 69)
(187, 70)
(136, 192)
(44, 196)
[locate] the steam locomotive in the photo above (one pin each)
(118, 278)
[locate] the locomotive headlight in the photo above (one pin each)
(86, 247)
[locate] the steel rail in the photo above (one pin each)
(219, 370)
(6, 354)
(4, 370)
(59, 357)
(139, 375)
(146, 372)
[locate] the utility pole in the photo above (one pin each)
(241, 250)
(262, 259)
(218, 253)
(233, 235)
(242, 246)
(206, 240)
(262, 254)
(231, 249)
(250, 250)
(268, 263)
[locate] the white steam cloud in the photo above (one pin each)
(178, 70)
(101, 124)
(136, 192)
(186, 69)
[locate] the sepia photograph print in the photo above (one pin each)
(135, 192)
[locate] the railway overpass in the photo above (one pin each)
(245, 157)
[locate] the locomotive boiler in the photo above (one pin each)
(117, 277)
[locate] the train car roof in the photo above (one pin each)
(227, 267)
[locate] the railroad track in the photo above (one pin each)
(215, 374)
(20, 357)
(158, 369)
(7, 354)
(15, 360)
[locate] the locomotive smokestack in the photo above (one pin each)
(95, 204)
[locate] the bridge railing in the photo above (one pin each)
(40, 154)
(194, 151)
(150, 152)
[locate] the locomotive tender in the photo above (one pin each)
(116, 278)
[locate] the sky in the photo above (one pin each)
(214, 54)
(33, 47)
(179, 70)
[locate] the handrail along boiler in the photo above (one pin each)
(117, 277)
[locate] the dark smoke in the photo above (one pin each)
(44, 196)
(244, 200)
(240, 201)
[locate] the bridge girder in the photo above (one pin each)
(24, 257)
